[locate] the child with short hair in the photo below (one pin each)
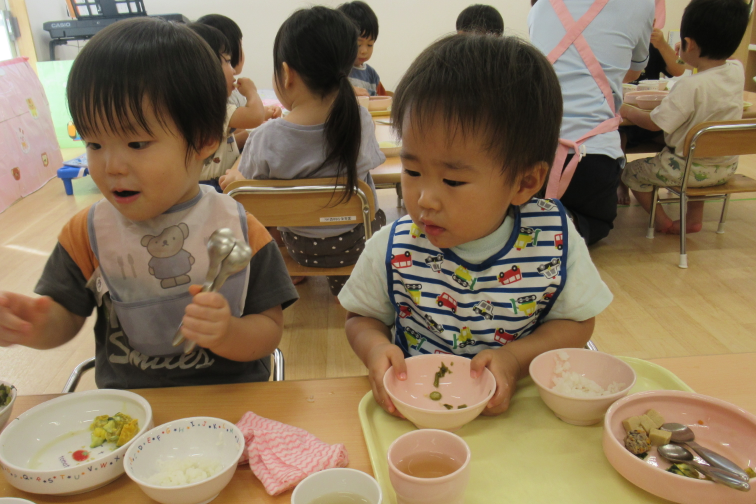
(479, 267)
(711, 31)
(250, 115)
(479, 18)
(233, 33)
(326, 134)
(363, 77)
(133, 255)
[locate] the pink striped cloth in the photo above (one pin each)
(281, 455)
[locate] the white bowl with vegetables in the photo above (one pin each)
(187, 461)
(48, 449)
(7, 398)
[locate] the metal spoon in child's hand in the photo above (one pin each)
(676, 453)
(683, 434)
(236, 261)
(220, 244)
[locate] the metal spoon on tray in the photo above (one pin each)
(682, 434)
(676, 453)
(219, 246)
(236, 261)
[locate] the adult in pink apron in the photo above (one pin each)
(594, 45)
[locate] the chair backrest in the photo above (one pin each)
(304, 202)
(722, 138)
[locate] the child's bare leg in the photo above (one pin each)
(623, 194)
(662, 222)
(693, 219)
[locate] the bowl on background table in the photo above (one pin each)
(631, 97)
(465, 397)
(649, 102)
(602, 368)
(46, 449)
(195, 438)
(718, 425)
(378, 103)
(337, 480)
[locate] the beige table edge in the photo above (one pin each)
(328, 409)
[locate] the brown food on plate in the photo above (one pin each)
(637, 442)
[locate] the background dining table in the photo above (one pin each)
(329, 410)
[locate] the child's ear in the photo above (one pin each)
(207, 150)
(530, 183)
(288, 75)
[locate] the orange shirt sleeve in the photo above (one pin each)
(74, 238)
(258, 235)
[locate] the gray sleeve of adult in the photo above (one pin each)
(269, 282)
(64, 282)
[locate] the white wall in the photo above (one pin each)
(406, 26)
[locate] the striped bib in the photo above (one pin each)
(446, 305)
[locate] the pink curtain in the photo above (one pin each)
(29, 151)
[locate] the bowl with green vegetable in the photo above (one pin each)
(7, 398)
(73, 443)
(439, 392)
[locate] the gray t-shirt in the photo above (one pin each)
(119, 366)
(282, 150)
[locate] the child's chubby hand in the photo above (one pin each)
(657, 38)
(272, 112)
(624, 110)
(230, 176)
(506, 370)
(21, 317)
(360, 91)
(246, 86)
(207, 318)
(380, 358)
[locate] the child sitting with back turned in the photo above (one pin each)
(363, 77)
(133, 255)
(250, 115)
(479, 267)
(481, 19)
(326, 134)
(711, 31)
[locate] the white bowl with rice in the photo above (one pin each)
(579, 385)
(187, 461)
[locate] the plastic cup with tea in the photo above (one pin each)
(337, 486)
(429, 466)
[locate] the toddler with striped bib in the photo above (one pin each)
(480, 267)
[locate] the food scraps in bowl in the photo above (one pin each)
(185, 471)
(6, 394)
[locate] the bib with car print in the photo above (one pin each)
(447, 305)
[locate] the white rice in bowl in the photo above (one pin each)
(178, 472)
(572, 384)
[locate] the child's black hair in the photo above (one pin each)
(215, 38)
(148, 62)
(717, 26)
(480, 18)
(320, 44)
(230, 29)
(499, 89)
(363, 16)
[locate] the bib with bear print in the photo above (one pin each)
(148, 266)
(446, 305)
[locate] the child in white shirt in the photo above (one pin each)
(480, 267)
(711, 31)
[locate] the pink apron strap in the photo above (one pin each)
(561, 176)
(660, 16)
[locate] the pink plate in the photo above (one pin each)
(718, 425)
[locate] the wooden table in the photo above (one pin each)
(328, 409)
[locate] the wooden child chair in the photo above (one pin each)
(305, 202)
(710, 139)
